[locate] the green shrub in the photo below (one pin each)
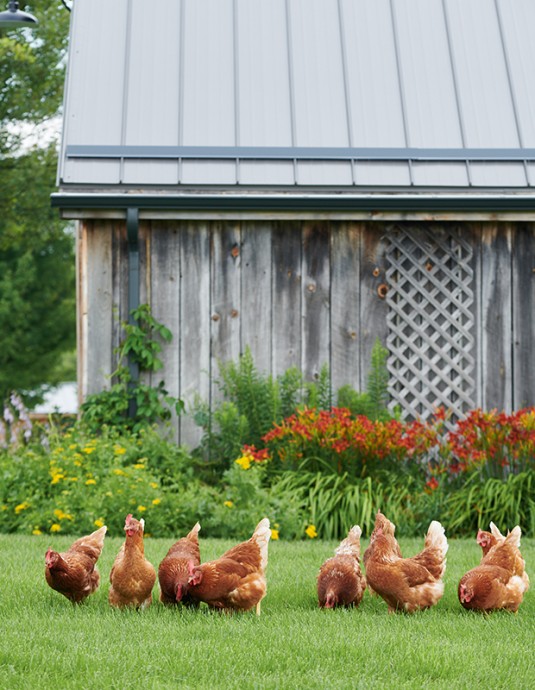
(81, 480)
(130, 403)
(253, 402)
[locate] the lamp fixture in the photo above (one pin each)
(13, 18)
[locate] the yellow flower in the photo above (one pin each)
(88, 450)
(156, 501)
(311, 532)
(73, 446)
(119, 472)
(244, 462)
(21, 507)
(55, 527)
(57, 477)
(37, 532)
(119, 450)
(141, 509)
(229, 504)
(153, 485)
(90, 481)
(274, 534)
(99, 522)
(77, 463)
(139, 466)
(61, 515)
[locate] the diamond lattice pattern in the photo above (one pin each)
(430, 321)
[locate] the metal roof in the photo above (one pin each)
(293, 95)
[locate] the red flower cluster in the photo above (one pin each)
(499, 442)
(358, 445)
(256, 455)
(334, 439)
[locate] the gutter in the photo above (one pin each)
(227, 203)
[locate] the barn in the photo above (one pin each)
(302, 177)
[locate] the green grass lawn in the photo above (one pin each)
(48, 643)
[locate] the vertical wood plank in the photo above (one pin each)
(471, 233)
(345, 305)
(225, 271)
(99, 337)
(286, 296)
(120, 284)
(81, 310)
(373, 290)
(315, 300)
(523, 303)
(496, 317)
(256, 310)
(164, 291)
(145, 273)
(195, 323)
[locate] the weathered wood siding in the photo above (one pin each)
(299, 294)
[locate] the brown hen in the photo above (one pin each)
(74, 573)
(406, 584)
(340, 580)
(132, 576)
(175, 569)
(500, 581)
(237, 580)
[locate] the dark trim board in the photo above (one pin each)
(293, 202)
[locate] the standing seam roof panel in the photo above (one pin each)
(432, 118)
(208, 108)
(153, 89)
(94, 104)
(319, 90)
(483, 84)
(518, 23)
(264, 88)
(372, 80)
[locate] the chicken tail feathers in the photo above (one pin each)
(496, 532)
(194, 532)
(513, 537)
(436, 538)
(351, 544)
(261, 536)
(98, 535)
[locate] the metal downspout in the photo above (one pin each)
(132, 234)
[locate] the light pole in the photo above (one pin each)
(13, 18)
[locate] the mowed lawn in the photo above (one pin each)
(48, 643)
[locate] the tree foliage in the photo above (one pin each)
(37, 273)
(32, 70)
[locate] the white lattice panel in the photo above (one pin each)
(430, 320)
